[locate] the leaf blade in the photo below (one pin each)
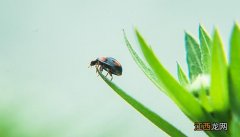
(235, 70)
(147, 71)
(150, 115)
(193, 56)
(206, 49)
(182, 76)
(219, 83)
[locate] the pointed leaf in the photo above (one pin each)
(182, 76)
(150, 115)
(219, 83)
(147, 71)
(235, 70)
(193, 56)
(206, 48)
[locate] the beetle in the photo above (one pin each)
(109, 64)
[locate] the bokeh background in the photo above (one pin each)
(46, 87)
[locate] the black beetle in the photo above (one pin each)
(111, 65)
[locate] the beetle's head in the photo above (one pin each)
(93, 63)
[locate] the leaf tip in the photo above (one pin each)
(178, 66)
(200, 27)
(236, 24)
(216, 34)
(139, 36)
(188, 35)
(236, 27)
(190, 38)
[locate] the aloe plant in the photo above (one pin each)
(210, 92)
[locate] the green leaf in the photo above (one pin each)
(206, 49)
(193, 56)
(150, 115)
(147, 71)
(182, 76)
(219, 83)
(187, 103)
(235, 70)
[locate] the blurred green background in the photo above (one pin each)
(46, 87)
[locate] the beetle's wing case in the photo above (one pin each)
(111, 62)
(114, 65)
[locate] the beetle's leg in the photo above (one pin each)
(97, 66)
(110, 75)
(101, 68)
(97, 71)
(107, 72)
